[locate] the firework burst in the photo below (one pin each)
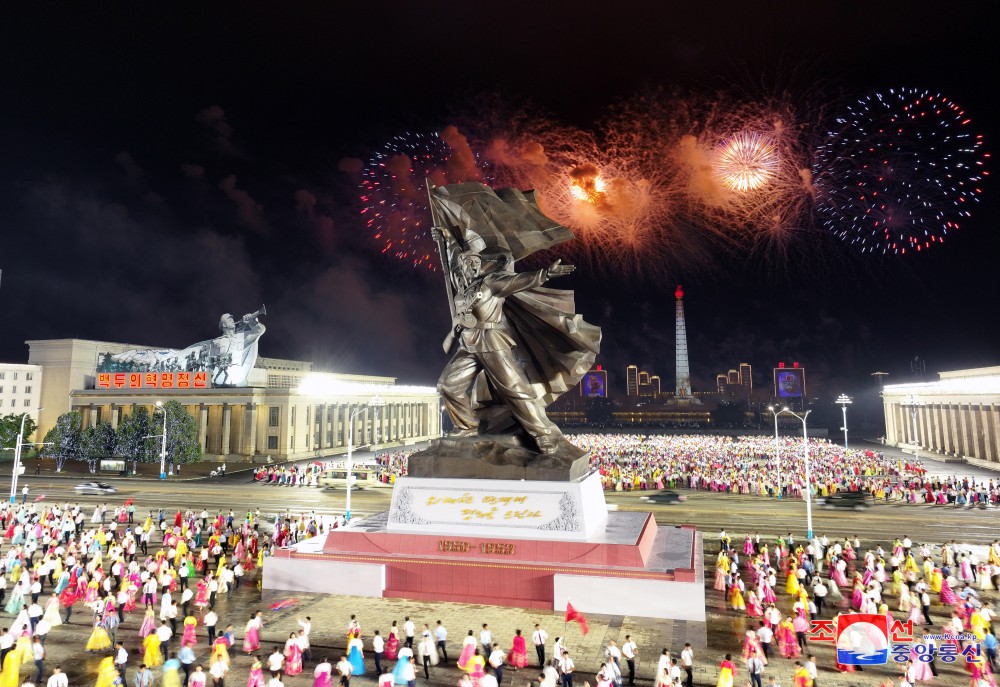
(900, 172)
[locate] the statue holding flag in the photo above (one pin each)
(517, 345)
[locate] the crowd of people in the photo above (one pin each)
(765, 466)
(782, 586)
(387, 465)
(161, 573)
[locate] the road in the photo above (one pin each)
(709, 511)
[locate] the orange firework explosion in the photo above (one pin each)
(746, 162)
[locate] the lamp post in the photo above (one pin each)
(844, 400)
(805, 453)
(777, 446)
(374, 403)
(18, 445)
(163, 442)
(914, 402)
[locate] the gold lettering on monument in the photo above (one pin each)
(496, 548)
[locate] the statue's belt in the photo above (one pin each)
(487, 325)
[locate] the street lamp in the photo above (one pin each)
(844, 400)
(805, 453)
(913, 417)
(777, 446)
(374, 403)
(17, 457)
(163, 442)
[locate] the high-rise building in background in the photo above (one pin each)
(683, 384)
(632, 380)
(746, 380)
(654, 384)
(736, 383)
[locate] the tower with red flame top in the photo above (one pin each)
(683, 386)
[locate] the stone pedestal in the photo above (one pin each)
(528, 544)
(564, 511)
(498, 457)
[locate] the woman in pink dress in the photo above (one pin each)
(256, 676)
(321, 676)
(293, 656)
(392, 644)
(201, 596)
(947, 595)
(189, 637)
(251, 638)
(518, 656)
(754, 609)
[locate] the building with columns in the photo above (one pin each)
(958, 415)
(287, 411)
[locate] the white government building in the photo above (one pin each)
(286, 411)
(958, 415)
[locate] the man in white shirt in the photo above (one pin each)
(38, 653)
(486, 639)
(276, 661)
(810, 667)
(378, 649)
(566, 669)
(612, 652)
(408, 629)
(6, 644)
(495, 660)
(538, 638)
(218, 672)
(58, 678)
(630, 651)
(345, 670)
(687, 662)
(765, 636)
(121, 660)
(441, 636)
(164, 634)
(275, 681)
(210, 621)
(675, 673)
(306, 626)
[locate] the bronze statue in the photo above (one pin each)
(519, 345)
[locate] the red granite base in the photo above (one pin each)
(496, 571)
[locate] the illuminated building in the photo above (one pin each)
(286, 410)
(20, 389)
(958, 415)
(632, 380)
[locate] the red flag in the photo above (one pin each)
(284, 603)
(40, 497)
(573, 614)
(128, 503)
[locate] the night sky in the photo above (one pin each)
(163, 163)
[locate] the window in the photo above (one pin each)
(13, 389)
(2, 374)
(27, 402)
(27, 389)
(27, 376)
(272, 442)
(273, 413)
(1, 388)
(15, 375)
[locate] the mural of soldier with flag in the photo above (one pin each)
(518, 346)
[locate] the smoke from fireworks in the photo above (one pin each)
(900, 172)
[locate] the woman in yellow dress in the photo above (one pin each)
(897, 582)
(220, 651)
(106, 672)
(792, 582)
(727, 672)
(935, 580)
(10, 675)
(99, 639)
(736, 597)
(152, 656)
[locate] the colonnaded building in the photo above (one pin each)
(278, 409)
(958, 415)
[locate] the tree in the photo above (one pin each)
(134, 441)
(10, 425)
(64, 441)
(99, 443)
(182, 435)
